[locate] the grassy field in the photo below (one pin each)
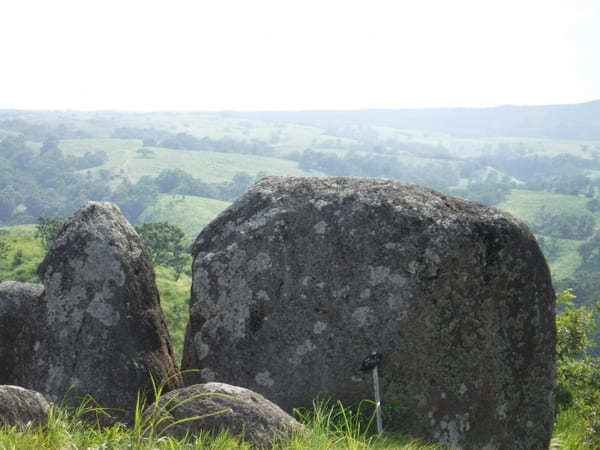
(567, 260)
(188, 212)
(525, 204)
(468, 147)
(24, 255)
(287, 135)
(210, 167)
(174, 299)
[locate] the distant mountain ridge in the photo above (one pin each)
(567, 121)
(572, 121)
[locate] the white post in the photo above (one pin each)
(377, 400)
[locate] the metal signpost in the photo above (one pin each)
(370, 363)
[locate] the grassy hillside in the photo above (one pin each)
(188, 212)
(24, 255)
(210, 167)
(525, 204)
(174, 299)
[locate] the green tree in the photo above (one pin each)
(577, 372)
(48, 228)
(590, 252)
(8, 202)
(566, 226)
(169, 179)
(134, 198)
(149, 142)
(240, 182)
(145, 152)
(549, 246)
(4, 249)
(166, 244)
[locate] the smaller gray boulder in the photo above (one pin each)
(221, 407)
(19, 406)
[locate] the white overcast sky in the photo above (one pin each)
(296, 54)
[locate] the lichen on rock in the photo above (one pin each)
(95, 323)
(301, 278)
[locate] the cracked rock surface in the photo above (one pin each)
(302, 278)
(95, 325)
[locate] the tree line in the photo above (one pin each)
(47, 182)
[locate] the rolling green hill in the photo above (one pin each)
(209, 166)
(189, 212)
(525, 204)
(24, 255)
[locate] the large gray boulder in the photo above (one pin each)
(20, 406)
(302, 278)
(96, 327)
(220, 407)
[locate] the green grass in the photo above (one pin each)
(174, 299)
(24, 255)
(569, 431)
(24, 230)
(328, 427)
(190, 213)
(524, 204)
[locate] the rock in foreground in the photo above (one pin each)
(221, 407)
(302, 278)
(19, 406)
(96, 327)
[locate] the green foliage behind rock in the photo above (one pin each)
(48, 229)
(578, 373)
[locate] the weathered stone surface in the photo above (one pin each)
(19, 406)
(219, 407)
(302, 278)
(21, 313)
(97, 327)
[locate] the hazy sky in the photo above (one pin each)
(288, 54)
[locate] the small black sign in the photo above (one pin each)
(371, 361)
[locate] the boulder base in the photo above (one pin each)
(19, 406)
(222, 407)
